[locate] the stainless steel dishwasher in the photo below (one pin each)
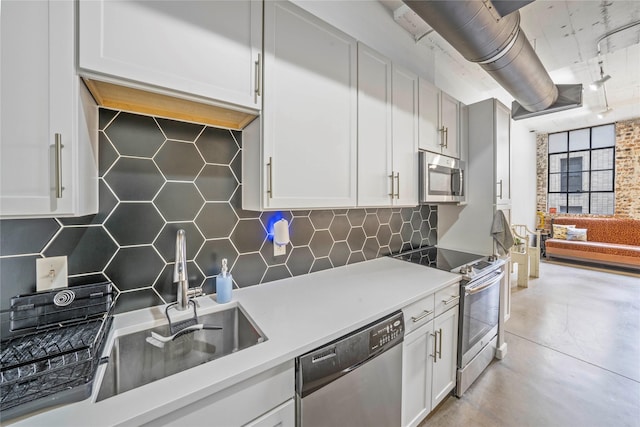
(355, 380)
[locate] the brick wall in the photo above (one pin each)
(627, 179)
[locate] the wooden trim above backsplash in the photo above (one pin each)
(119, 97)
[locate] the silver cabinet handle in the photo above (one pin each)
(442, 132)
(500, 184)
(446, 137)
(435, 346)
(439, 332)
(398, 185)
(270, 175)
(392, 176)
(258, 78)
(450, 300)
(58, 148)
(422, 316)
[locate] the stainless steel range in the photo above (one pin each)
(479, 305)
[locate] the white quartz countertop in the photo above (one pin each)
(296, 314)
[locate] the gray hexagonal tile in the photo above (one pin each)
(416, 220)
(216, 220)
(416, 240)
(216, 183)
(135, 135)
(107, 154)
(236, 167)
(339, 254)
(371, 247)
(276, 272)
(321, 264)
(209, 259)
(384, 215)
(165, 243)
(300, 213)
(321, 243)
(406, 214)
(248, 270)
(356, 239)
(179, 161)
(384, 234)
(135, 267)
(432, 218)
(105, 116)
(88, 248)
(384, 251)
(355, 257)
(217, 146)
(395, 222)
(321, 220)
(134, 179)
(405, 232)
(134, 223)
(301, 231)
(168, 290)
(300, 260)
(236, 203)
(248, 236)
(142, 298)
(371, 225)
(395, 245)
(26, 236)
(179, 131)
(356, 217)
(339, 228)
(179, 201)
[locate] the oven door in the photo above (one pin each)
(480, 312)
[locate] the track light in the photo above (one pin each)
(598, 83)
(605, 112)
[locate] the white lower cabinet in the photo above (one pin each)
(429, 365)
(263, 400)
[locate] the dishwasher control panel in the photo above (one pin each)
(386, 332)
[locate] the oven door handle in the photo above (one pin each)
(483, 287)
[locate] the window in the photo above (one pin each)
(581, 170)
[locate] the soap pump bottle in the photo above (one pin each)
(224, 284)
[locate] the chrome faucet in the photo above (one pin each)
(180, 275)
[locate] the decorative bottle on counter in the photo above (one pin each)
(224, 284)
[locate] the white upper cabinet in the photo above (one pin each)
(48, 145)
(439, 121)
(503, 154)
(302, 151)
(387, 132)
(208, 49)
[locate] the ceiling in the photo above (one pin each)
(565, 36)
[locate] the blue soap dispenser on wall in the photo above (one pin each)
(224, 284)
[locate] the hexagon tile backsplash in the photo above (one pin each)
(159, 175)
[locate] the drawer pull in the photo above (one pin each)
(450, 300)
(422, 316)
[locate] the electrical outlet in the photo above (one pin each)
(279, 250)
(51, 273)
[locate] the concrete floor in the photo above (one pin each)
(573, 357)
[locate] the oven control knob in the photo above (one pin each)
(464, 269)
(492, 258)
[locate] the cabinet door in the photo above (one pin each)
(39, 100)
(429, 137)
(282, 416)
(445, 328)
(417, 352)
(405, 137)
(503, 153)
(449, 114)
(309, 111)
(203, 48)
(375, 180)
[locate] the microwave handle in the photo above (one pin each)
(457, 189)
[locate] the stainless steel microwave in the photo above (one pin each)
(441, 178)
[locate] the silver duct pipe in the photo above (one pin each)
(497, 44)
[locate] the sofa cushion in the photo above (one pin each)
(560, 231)
(579, 234)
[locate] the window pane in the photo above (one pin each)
(556, 162)
(578, 203)
(602, 159)
(602, 136)
(557, 181)
(558, 142)
(579, 139)
(556, 201)
(602, 181)
(579, 161)
(602, 203)
(577, 182)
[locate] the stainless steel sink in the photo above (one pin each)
(134, 362)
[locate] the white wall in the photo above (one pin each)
(523, 175)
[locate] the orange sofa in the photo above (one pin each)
(611, 241)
